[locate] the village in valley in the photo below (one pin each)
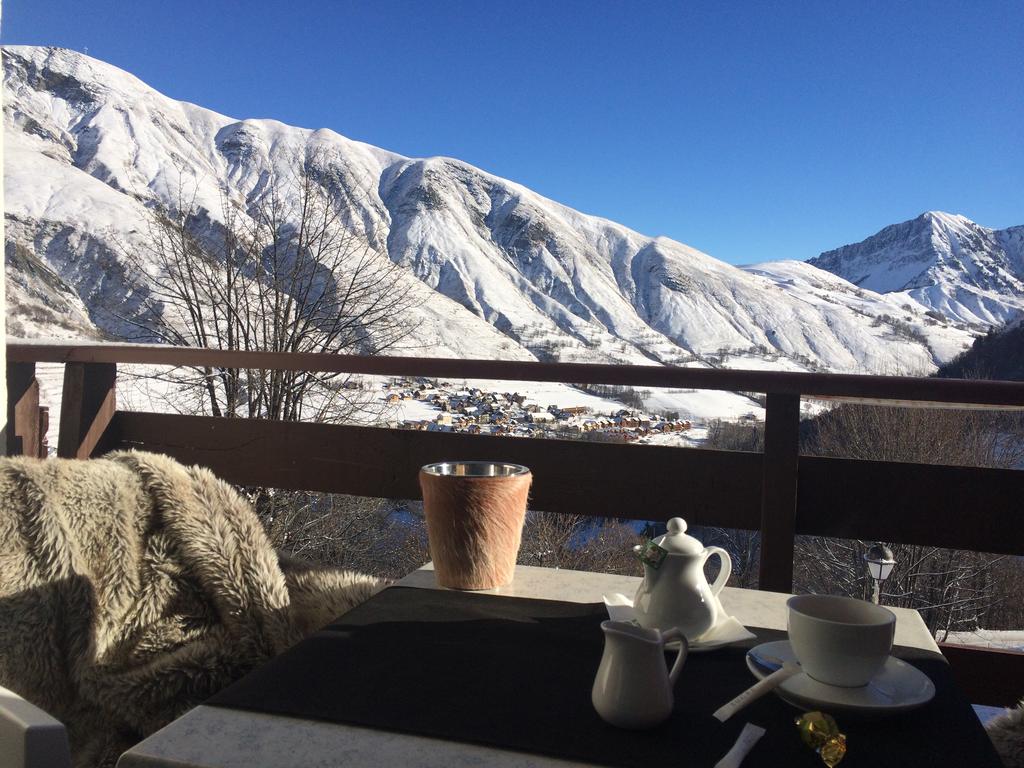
(427, 405)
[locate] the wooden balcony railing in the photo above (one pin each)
(779, 493)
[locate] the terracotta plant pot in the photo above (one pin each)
(475, 512)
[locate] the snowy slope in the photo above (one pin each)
(864, 323)
(943, 262)
(501, 271)
(1009, 639)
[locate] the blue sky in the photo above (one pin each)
(752, 131)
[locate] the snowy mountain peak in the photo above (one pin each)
(942, 261)
(941, 218)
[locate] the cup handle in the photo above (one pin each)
(723, 572)
(684, 649)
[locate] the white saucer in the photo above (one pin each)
(909, 687)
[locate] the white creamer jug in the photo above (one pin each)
(675, 592)
(633, 687)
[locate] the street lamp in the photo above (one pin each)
(880, 564)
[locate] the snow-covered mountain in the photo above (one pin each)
(501, 271)
(943, 262)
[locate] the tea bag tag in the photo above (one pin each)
(652, 554)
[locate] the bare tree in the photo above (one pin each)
(379, 536)
(968, 438)
(733, 436)
(952, 589)
(292, 270)
(579, 542)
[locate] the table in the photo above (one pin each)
(215, 737)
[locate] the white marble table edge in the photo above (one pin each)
(752, 607)
(215, 737)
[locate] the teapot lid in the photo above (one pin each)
(677, 540)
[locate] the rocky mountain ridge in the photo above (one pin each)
(944, 262)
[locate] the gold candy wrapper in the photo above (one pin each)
(821, 733)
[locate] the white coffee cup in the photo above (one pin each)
(839, 640)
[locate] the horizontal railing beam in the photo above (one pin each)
(720, 488)
(972, 508)
(893, 390)
(917, 504)
(989, 676)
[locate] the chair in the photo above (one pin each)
(30, 738)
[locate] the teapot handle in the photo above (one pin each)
(723, 572)
(684, 649)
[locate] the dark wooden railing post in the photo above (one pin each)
(87, 405)
(24, 434)
(778, 491)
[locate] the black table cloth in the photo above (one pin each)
(516, 673)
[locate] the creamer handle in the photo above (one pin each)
(723, 572)
(684, 648)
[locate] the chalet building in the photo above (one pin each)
(576, 410)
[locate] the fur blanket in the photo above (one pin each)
(1007, 734)
(132, 588)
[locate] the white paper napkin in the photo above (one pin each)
(620, 607)
(727, 630)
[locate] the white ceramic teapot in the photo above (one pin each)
(675, 592)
